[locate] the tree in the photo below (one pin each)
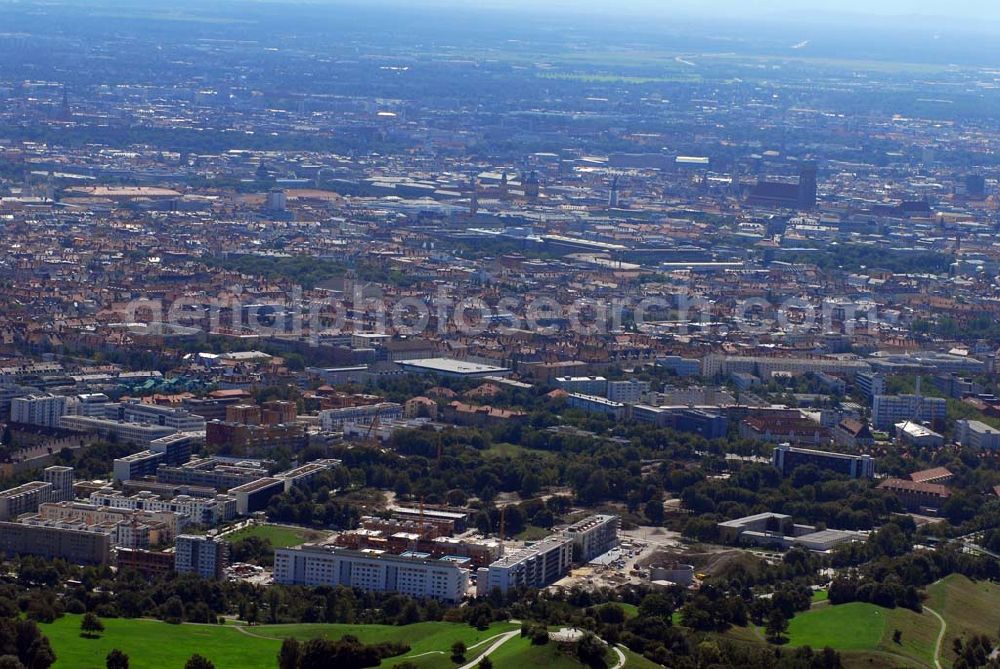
(777, 625)
(485, 663)
(591, 651)
(10, 662)
(116, 660)
(198, 662)
(290, 654)
(654, 511)
(91, 625)
(458, 650)
(40, 654)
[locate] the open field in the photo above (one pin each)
(862, 627)
(969, 607)
(518, 653)
(151, 644)
(280, 536)
(862, 633)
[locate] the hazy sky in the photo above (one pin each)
(975, 10)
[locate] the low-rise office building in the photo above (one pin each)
(786, 458)
(595, 404)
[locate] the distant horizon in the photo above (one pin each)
(763, 9)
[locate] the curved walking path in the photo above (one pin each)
(504, 638)
(621, 657)
(940, 638)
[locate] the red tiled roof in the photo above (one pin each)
(932, 474)
(902, 485)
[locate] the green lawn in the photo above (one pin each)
(867, 629)
(518, 653)
(533, 533)
(636, 661)
(854, 626)
(421, 637)
(280, 536)
(152, 644)
(631, 610)
(969, 607)
(508, 450)
(820, 596)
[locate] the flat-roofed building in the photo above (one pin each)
(24, 499)
(629, 391)
(335, 419)
(888, 410)
(976, 434)
(203, 555)
(256, 495)
(146, 562)
(139, 434)
(777, 530)
(765, 366)
(90, 546)
(451, 521)
(536, 566)
(45, 410)
(918, 435)
(595, 404)
(787, 458)
(680, 366)
(130, 528)
(134, 411)
(594, 536)
(61, 480)
(205, 511)
(212, 472)
(447, 367)
(586, 385)
(307, 473)
(413, 574)
(137, 465)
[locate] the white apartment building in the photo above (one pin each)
(152, 414)
(716, 364)
(595, 404)
(976, 434)
(140, 434)
(334, 419)
(44, 410)
(202, 555)
(594, 536)
(205, 511)
(413, 574)
(887, 410)
(587, 385)
(631, 391)
(536, 566)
